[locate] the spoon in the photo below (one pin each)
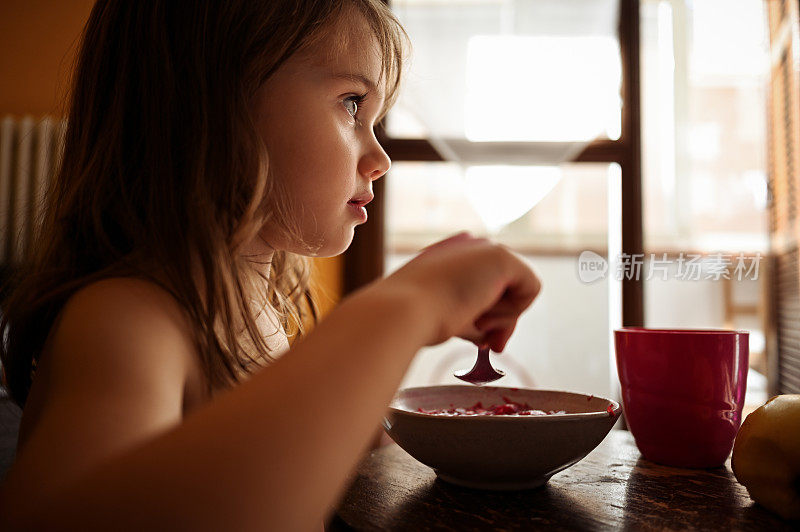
(482, 372)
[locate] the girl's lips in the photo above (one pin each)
(363, 199)
(358, 209)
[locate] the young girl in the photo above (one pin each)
(210, 146)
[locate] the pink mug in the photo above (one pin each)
(683, 392)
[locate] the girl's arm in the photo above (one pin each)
(277, 450)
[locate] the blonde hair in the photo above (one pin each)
(164, 175)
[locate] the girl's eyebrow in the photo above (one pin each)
(358, 78)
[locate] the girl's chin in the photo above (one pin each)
(330, 246)
(331, 249)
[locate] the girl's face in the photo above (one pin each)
(316, 116)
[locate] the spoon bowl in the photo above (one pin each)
(482, 372)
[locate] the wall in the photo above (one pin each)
(38, 41)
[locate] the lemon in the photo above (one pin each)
(766, 455)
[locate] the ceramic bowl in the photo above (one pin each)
(498, 452)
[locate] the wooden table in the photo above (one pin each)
(612, 488)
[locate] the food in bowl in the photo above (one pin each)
(507, 408)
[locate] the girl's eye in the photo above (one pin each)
(351, 104)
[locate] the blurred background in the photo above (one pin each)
(659, 135)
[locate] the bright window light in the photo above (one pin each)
(502, 194)
(542, 88)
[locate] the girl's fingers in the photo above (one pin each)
(498, 336)
(497, 323)
(474, 335)
(497, 339)
(507, 308)
(487, 324)
(524, 291)
(500, 310)
(480, 288)
(458, 237)
(494, 332)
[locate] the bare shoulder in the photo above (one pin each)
(122, 322)
(113, 373)
(128, 298)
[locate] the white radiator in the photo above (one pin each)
(30, 151)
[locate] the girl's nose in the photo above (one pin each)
(375, 163)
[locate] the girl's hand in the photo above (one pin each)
(470, 287)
